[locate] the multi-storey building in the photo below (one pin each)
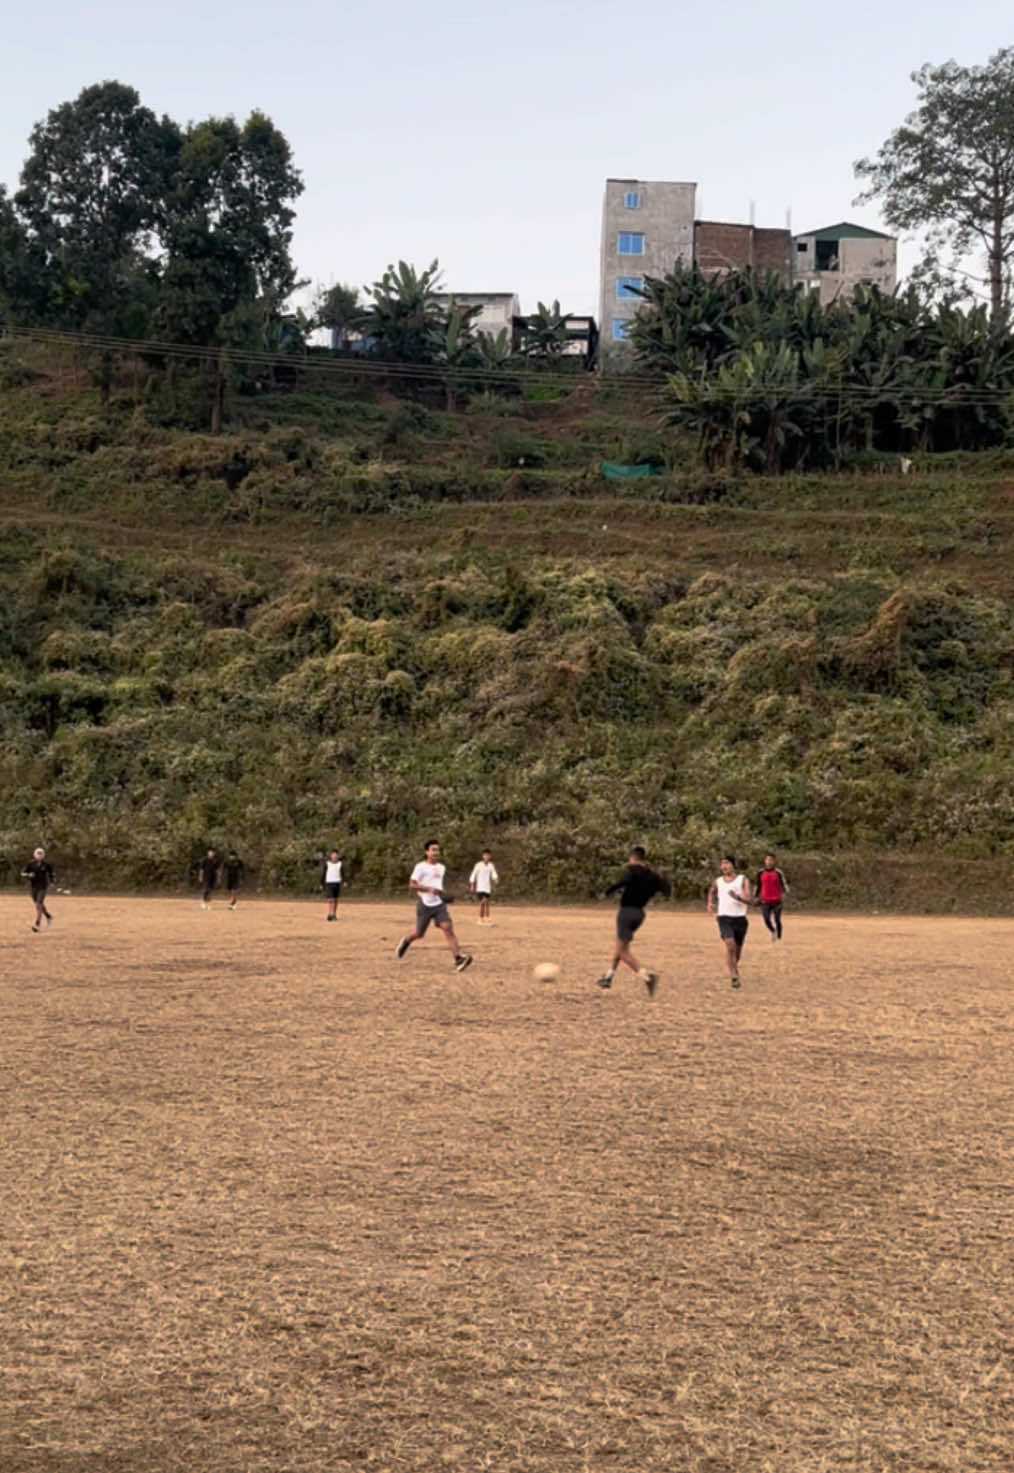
(647, 225)
(835, 260)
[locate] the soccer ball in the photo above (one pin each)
(546, 972)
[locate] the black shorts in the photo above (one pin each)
(733, 928)
(39, 893)
(332, 889)
(629, 918)
(482, 894)
(431, 915)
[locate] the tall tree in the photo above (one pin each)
(228, 226)
(90, 198)
(227, 234)
(950, 166)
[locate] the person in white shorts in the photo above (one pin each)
(331, 882)
(730, 896)
(481, 882)
(427, 881)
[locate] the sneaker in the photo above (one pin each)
(204, 905)
(605, 981)
(462, 961)
(735, 981)
(403, 946)
(49, 920)
(651, 982)
(35, 928)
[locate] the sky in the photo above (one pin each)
(482, 134)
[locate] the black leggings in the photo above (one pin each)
(773, 917)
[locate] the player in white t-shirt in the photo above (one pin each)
(331, 879)
(427, 881)
(481, 882)
(730, 896)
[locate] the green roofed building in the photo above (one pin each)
(835, 260)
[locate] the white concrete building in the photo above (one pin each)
(647, 225)
(497, 309)
(835, 260)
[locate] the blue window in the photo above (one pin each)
(629, 286)
(632, 201)
(621, 326)
(631, 244)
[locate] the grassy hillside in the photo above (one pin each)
(363, 621)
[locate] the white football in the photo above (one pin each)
(546, 972)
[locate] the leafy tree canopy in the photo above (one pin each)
(949, 168)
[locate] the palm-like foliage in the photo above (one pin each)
(544, 333)
(404, 322)
(766, 376)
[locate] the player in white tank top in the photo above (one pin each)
(730, 897)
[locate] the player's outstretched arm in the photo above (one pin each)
(613, 889)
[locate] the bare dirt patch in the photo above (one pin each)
(272, 1200)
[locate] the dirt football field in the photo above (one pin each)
(273, 1200)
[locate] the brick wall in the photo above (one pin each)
(721, 245)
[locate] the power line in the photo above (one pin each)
(842, 396)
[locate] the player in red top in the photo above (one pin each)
(771, 890)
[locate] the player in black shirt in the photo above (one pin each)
(234, 872)
(636, 885)
(207, 872)
(39, 872)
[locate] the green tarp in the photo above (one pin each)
(613, 472)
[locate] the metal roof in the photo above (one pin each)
(844, 231)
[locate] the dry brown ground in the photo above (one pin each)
(273, 1201)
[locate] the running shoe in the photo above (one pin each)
(403, 946)
(462, 961)
(605, 981)
(735, 982)
(651, 982)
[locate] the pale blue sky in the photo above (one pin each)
(483, 134)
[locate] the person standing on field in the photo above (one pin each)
(427, 883)
(331, 883)
(207, 873)
(39, 873)
(481, 883)
(636, 885)
(772, 888)
(235, 870)
(730, 896)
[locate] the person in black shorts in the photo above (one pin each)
(207, 873)
(235, 870)
(331, 877)
(39, 873)
(729, 895)
(636, 885)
